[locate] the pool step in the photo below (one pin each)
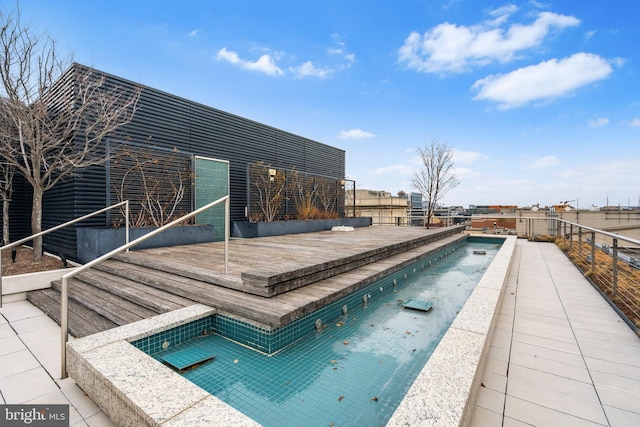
(187, 359)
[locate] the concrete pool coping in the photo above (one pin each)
(134, 389)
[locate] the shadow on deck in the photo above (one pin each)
(270, 281)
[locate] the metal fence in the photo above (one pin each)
(276, 194)
(610, 261)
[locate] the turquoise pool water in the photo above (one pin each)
(356, 368)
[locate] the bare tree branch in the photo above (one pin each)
(436, 177)
(61, 117)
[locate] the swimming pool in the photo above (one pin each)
(355, 368)
(134, 389)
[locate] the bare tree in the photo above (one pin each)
(303, 192)
(7, 172)
(435, 178)
(154, 182)
(269, 185)
(327, 193)
(61, 117)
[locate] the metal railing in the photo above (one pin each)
(611, 262)
(64, 291)
(58, 227)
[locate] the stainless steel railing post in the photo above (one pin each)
(64, 325)
(615, 267)
(227, 220)
(593, 252)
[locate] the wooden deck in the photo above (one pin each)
(270, 280)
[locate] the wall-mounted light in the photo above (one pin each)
(272, 174)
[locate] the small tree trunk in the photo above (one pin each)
(36, 222)
(5, 222)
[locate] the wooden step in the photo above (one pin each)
(177, 268)
(81, 321)
(118, 310)
(152, 298)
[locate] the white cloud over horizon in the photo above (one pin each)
(450, 48)
(400, 169)
(307, 69)
(543, 162)
(546, 81)
(599, 122)
(265, 64)
(355, 134)
(460, 156)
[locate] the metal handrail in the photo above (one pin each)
(64, 291)
(605, 233)
(58, 227)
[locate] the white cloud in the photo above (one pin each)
(544, 81)
(399, 169)
(599, 122)
(355, 134)
(635, 123)
(449, 48)
(460, 156)
(265, 64)
(463, 173)
(589, 34)
(501, 14)
(543, 162)
(193, 33)
(307, 69)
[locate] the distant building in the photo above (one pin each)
(491, 209)
(385, 209)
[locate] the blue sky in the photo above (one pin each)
(540, 101)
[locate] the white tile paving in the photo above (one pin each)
(571, 359)
(30, 365)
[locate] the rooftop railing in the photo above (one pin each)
(58, 227)
(610, 261)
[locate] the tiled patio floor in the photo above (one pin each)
(559, 356)
(30, 365)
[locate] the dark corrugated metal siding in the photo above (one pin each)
(170, 122)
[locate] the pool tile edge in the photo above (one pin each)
(132, 388)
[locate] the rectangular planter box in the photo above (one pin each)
(245, 229)
(95, 242)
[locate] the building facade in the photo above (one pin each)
(175, 128)
(383, 208)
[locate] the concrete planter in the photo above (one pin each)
(15, 288)
(245, 229)
(95, 242)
